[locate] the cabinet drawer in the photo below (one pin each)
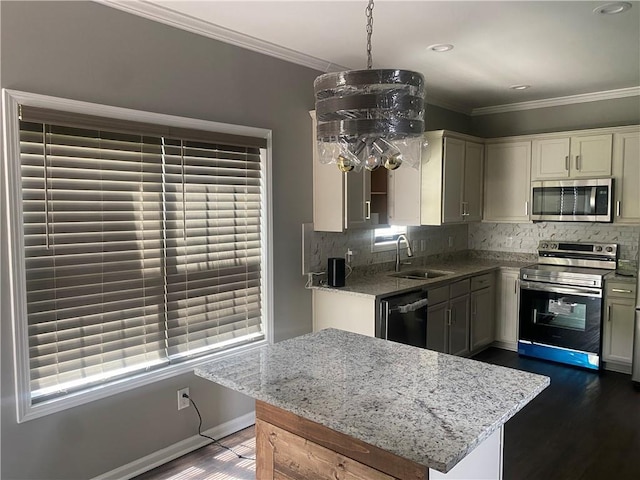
(438, 295)
(482, 281)
(459, 288)
(621, 290)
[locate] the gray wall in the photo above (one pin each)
(89, 52)
(603, 113)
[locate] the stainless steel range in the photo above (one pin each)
(561, 302)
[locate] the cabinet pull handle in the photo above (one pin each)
(566, 163)
(534, 316)
(449, 316)
(609, 313)
(367, 205)
(578, 162)
(618, 208)
(515, 287)
(621, 290)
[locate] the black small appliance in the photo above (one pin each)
(335, 272)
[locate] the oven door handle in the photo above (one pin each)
(384, 327)
(543, 287)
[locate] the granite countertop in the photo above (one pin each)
(422, 405)
(626, 278)
(380, 284)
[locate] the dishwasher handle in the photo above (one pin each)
(411, 307)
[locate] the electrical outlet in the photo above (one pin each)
(423, 245)
(182, 401)
(348, 256)
(450, 242)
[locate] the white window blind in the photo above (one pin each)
(142, 248)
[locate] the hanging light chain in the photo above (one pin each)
(369, 13)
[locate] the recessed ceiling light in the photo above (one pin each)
(612, 8)
(519, 87)
(440, 47)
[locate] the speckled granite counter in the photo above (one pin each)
(380, 284)
(421, 405)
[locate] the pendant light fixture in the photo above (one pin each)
(370, 118)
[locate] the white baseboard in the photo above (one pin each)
(176, 450)
(513, 346)
(618, 367)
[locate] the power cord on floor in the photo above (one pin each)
(211, 438)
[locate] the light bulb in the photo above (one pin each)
(372, 162)
(391, 162)
(344, 164)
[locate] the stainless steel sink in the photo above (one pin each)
(420, 274)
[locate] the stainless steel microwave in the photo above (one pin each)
(585, 200)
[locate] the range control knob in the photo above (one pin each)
(544, 245)
(609, 249)
(553, 246)
(599, 248)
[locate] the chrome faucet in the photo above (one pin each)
(409, 253)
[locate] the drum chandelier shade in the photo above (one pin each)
(370, 118)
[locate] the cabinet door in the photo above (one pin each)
(591, 156)
(507, 182)
(472, 193)
(508, 307)
(328, 192)
(617, 341)
(482, 318)
(626, 173)
(358, 199)
(550, 158)
(452, 180)
(405, 184)
(459, 328)
(437, 328)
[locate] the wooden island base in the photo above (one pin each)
(290, 447)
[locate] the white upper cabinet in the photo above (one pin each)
(507, 182)
(340, 200)
(626, 172)
(580, 156)
(473, 168)
(451, 179)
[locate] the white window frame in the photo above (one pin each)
(11, 99)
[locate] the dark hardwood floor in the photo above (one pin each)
(584, 426)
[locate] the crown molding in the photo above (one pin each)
(191, 24)
(559, 101)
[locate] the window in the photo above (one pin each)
(385, 238)
(142, 247)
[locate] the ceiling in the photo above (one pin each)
(559, 48)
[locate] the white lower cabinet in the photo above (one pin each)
(483, 314)
(508, 308)
(448, 318)
(344, 311)
(618, 324)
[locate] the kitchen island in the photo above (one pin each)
(335, 404)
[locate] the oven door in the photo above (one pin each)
(562, 316)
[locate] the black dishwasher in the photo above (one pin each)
(403, 318)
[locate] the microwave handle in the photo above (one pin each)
(526, 207)
(592, 200)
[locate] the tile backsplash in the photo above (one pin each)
(524, 237)
(516, 239)
(436, 240)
